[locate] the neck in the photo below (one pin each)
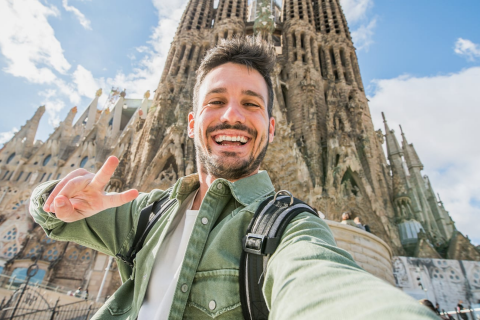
(206, 179)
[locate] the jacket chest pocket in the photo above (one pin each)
(215, 294)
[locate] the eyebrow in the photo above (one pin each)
(253, 94)
(217, 90)
(245, 92)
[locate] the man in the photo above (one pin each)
(189, 265)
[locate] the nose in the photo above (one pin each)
(233, 113)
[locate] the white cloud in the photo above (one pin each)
(467, 48)
(440, 116)
(363, 35)
(356, 10)
(6, 136)
(86, 83)
(53, 107)
(360, 21)
(79, 15)
(28, 41)
(147, 73)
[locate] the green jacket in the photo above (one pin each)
(308, 277)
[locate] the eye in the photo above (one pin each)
(216, 102)
(250, 104)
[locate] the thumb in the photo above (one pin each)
(117, 199)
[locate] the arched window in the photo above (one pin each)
(10, 235)
(5, 175)
(18, 204)
(19, 176)
(51, 254)
(20, 275)
(33, 252)
(47, 159)
(73, 255)
(11, 158)
(10, 251)
(86, 256)
(83, 162)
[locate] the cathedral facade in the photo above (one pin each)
(326, 150)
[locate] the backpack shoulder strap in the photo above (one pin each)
(262, 239)
(147, 219)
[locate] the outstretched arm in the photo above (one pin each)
(309, 277)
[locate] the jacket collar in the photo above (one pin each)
(245, 190)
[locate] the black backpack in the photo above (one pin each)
(262, 239)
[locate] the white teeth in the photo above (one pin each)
(221, 138)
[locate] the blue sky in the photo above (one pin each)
(420, 63)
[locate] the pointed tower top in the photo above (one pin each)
(99, 92)
(393, 147)
(411, 156)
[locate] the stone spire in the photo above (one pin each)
(393, 147)
(411, 156)
(92, 111)
(186, 49)
(329, 18)
(25, 137)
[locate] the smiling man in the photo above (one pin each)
(188, 267)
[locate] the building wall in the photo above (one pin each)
(369, 251)
(444, 281)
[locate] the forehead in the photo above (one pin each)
(232, 76)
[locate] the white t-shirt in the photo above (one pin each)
(165, 272)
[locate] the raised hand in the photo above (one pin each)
(81, 193)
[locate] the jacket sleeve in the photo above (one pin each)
(108, 231)
(309, 277)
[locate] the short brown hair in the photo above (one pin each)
(251, 52)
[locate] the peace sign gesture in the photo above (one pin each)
(81, 193)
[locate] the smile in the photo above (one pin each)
(230, 140)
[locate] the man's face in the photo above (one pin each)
(231, 126)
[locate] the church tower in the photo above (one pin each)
(334, 154)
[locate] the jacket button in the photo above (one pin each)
(204, 220)
(220, 186)
(212, 305)
(184, 288)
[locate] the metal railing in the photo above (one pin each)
(13, 283)
(470, 314)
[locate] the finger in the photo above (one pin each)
(70, 189)
(118, 199)
(60, 185)
(64, 210)
(102, 177)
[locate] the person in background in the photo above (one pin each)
(346, 219)
(358, 223)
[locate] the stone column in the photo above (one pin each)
(338, 60)
(316, 58)
(308, 50)
(184, 61)
(290, 47)
(299, 43)
(349, 70)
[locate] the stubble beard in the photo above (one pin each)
(216, 166)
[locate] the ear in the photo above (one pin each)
(271, 129)
(191, 124)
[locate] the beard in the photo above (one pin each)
(218, 166)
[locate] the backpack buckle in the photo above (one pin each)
(254, 243)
